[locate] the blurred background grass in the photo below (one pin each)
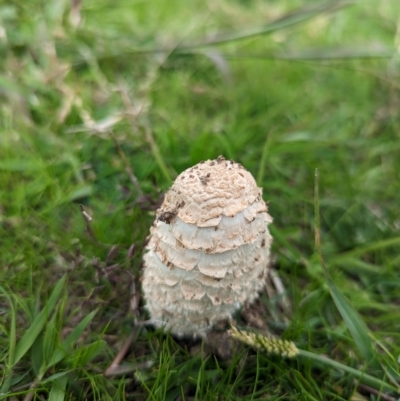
(283, 87)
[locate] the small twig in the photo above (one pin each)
(376, 392)
(135, 299)
(75, 13)
(125, 369)
(132, 251)
(271, 294)
(281, 291)
(112, 253)
(33, 386)
(128, 167)
(120, 356)
(115, 368)
(88, 219)
(317, 222)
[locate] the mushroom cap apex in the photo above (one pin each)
(204, 193)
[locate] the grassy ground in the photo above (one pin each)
(168, 84)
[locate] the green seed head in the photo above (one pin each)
(269, 344)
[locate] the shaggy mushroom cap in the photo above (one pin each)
(208, 251)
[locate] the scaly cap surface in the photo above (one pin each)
(204, 193)
(208, 251)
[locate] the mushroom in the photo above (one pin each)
(209, 248)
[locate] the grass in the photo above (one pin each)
(103, 103)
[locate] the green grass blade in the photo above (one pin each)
(57, 392)
(56, 376)
(356, 326)
(261, 168)
(7, 375)
(89, 352)
(287, 349)
(6, 383)
(362, 250)
(13, 333)
(13, 336)
(37, 354)
(337, 53)
(293, 18)
(155, 150)
(352, 319)
(73, 337)
(365, 378)
(37, 325)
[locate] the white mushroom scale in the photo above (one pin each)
(209, 248)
